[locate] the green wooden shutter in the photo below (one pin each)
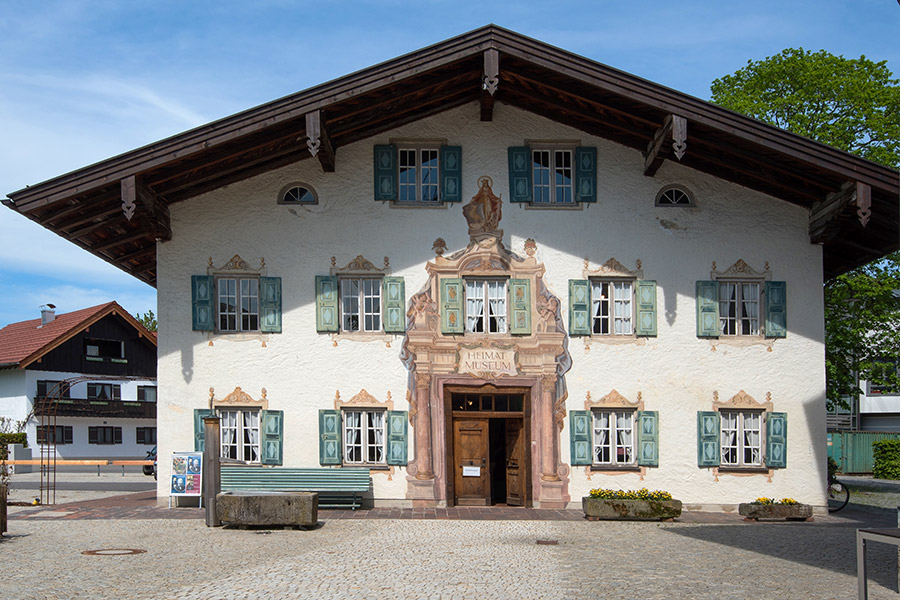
(707, 309)
(396, 437)
(519, 173)
(776, 440)
(270, 304)
(708, 434)
(776, 309)
(199, 434)
(203, 301)
(646, 308)
(451, 173)
(648, 438)
(386, 172)
(585, 174)
(579, 307)
(452, 315)
(271, 423)
(394, 299)
(330, 437)
(520, 306)
(327, 303)
(580, 437)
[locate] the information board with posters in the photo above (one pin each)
(187, 474)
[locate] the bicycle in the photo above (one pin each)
(838, 493)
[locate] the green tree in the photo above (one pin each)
(853, 105)
(148, 320)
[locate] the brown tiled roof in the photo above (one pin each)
(24, 342)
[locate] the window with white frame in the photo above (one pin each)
(360, 303)
(104, 391)
(486, 306)
(239, 432)
(741, 438)
(238, 302)
(364, 437)
(145, 435)
(419, 175)
(613, 435)
(54, 435)
(146, 393)
(104, 435)
(612, 306)
(552, 174)
(739, 307)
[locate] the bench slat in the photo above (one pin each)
(339, 484)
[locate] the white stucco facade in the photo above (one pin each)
(675, 373)
(18, 388)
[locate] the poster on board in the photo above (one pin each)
(187, 474)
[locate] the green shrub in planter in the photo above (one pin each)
(11, 438)
(887, 459)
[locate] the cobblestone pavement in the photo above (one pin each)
(372, 555)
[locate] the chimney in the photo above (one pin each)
(48, 313)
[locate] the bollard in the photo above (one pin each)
(3, 491)
(212, 481)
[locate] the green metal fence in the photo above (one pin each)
(852, 450)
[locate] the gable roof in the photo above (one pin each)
(24, 342)
(118, 208)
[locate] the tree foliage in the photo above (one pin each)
(851, 104)
(862, 329)
(148, 320)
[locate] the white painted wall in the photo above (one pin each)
(18, 388)
(676, 373)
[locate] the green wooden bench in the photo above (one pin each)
(337, 488)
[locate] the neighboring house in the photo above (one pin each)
(492, 271)
(95, 369)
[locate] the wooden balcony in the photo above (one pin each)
(83, 407)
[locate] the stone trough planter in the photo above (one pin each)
(602, 509)
(292, 509)
(780, 512)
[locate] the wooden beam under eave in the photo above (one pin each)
(118, 241)
(489, 81)
(671, 136)
(824, 215)
(138, 198)
(318, 141)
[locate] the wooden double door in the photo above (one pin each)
(489, 458)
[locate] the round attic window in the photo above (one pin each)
(298, 193)
(673, 195)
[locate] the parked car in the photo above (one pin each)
(150, 469)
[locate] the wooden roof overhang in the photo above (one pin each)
(117, 209)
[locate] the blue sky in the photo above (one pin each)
(81, 81)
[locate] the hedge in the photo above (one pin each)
(11, 438)
(887, 459)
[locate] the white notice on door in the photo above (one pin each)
(471, 471)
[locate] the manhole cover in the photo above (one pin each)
(114, 552)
